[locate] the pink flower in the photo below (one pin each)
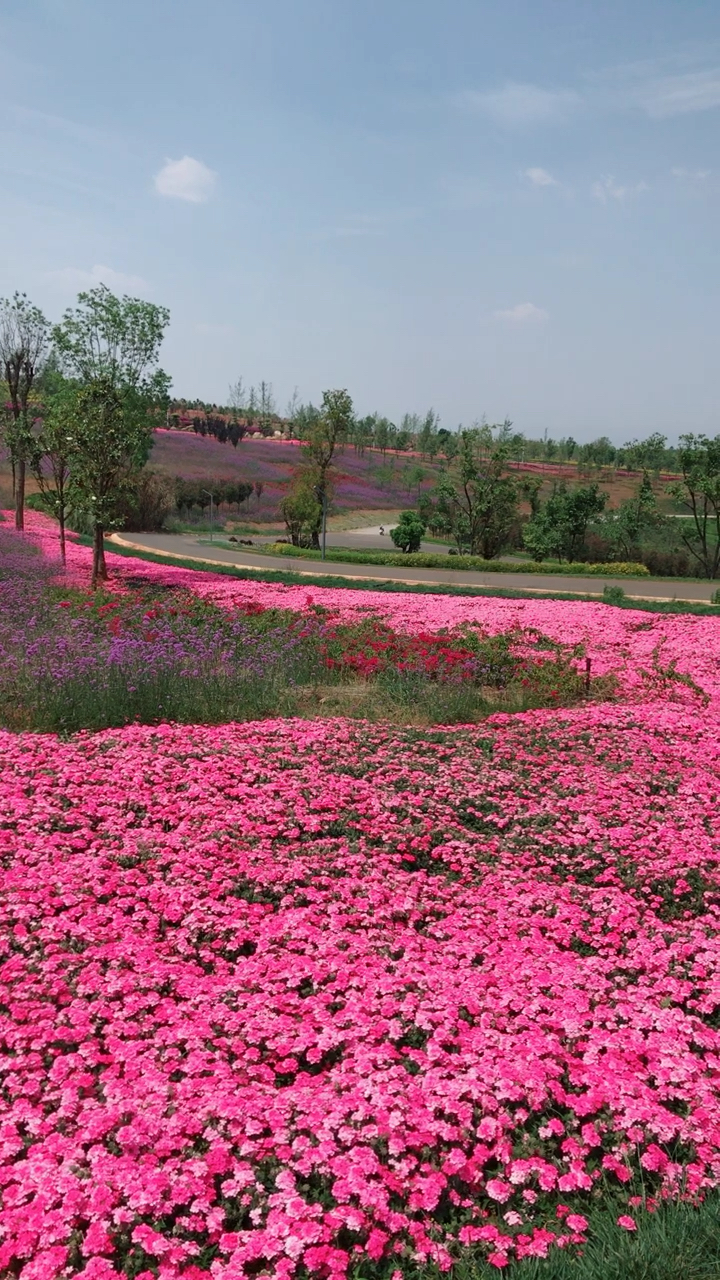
(627, 1222)
(576, 1222)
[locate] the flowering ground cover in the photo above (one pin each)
(625, 642)
(317, 998)
(73, 659)
(286, 996)
(363, 481)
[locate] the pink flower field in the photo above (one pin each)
(326, 998)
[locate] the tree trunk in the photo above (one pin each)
(61, 521)
(99, 568)
(20, 496)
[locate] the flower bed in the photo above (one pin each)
(282, 996)
(620, 641)
(319, 998)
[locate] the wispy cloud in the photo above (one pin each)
(523, 313)
(541, 178)
(31, 118)
(608, 189)
(186, 179)
(118, 281)
(521, 104)
(673, 95)
(691, 175)
(660, 88)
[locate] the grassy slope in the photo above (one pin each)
(367, 483)
(373, 489)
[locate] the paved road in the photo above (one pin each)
(188, 547)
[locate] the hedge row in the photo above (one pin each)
(426, 560)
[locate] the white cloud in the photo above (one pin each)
(117, 281)
(691, 174)
(186, 179)
(608, 189)
(523, 312)
(541, 178)
(675, 95)
(519, 104)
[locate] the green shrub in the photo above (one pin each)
(430, 560)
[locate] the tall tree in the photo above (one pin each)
(267, 405)
(332, 427)
(109, 349)
(699, 494)
(479, 503)
(236, 396)
(558, 528)
(52, 456)
(24, 346)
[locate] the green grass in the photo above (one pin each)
(430, 588)
(677, 1242)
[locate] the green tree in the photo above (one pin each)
(53, 453)
(331, 429)
(107, 450)
(558, 529)
(628, 524)
(109, 348)
(409, 532)
(699, 493)
(24, 347)
(427, 430)
(266, 407)
(646, 455)
(478, 504)
(301, 509)
(530, 487)
(312, 484)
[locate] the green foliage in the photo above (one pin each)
(559, 526)
(409, 532)
(301, 508)
(431, 560)
(147, 502)
(109, 347)
(115, 341)
(312, 483)
(24, 341)
(680, 1240)
(699, 494)
(54, 449)
(478, 505)
(613, 595)
(628, 526)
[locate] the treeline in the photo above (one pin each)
(418, 433)
(481, 504)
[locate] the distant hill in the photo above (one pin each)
(366, 481)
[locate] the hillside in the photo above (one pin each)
(366, 482)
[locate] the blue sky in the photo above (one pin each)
(506, 207)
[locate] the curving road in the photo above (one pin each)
(188, 547)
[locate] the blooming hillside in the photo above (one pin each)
(364, 482)
(289, 997)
